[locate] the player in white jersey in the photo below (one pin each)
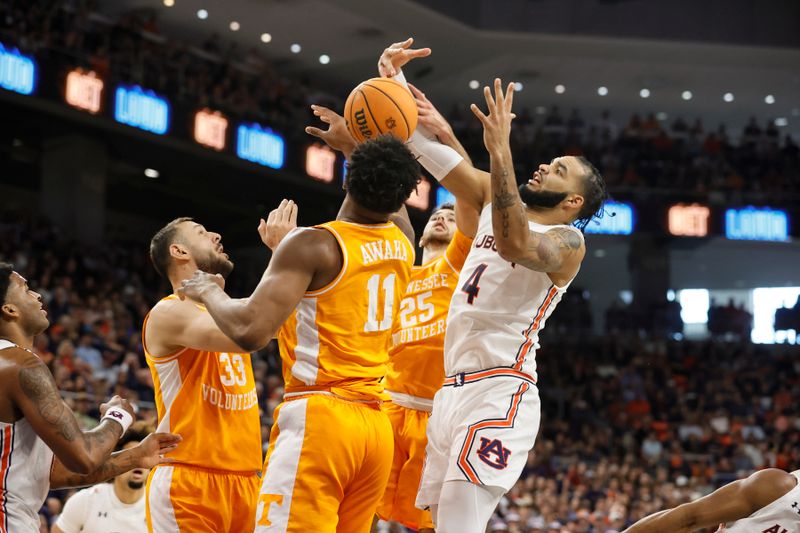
(41, 445)
(766, 502)
(526, 253)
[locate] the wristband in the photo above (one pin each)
(120, 416)
(436, 158)
(400, 78)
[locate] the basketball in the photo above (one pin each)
(378, 106)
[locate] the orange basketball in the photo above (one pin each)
(379, 106)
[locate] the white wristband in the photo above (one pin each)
(436, 158)
(400, 78)
(120, 416)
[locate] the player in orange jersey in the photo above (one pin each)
(331, 290)
(205, 391)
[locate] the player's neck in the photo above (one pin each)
(545, 216)
(180, 273)
(433, 251)
(127, 495)
(13, 334)
(352, 212)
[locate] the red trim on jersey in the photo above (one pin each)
(506, 422)
(475, 376)
(528, 343)
(5, 466)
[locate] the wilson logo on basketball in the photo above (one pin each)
(493, 453)
(379, 106)
(361, 121)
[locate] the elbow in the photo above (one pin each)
(251, 339)
(80, 464)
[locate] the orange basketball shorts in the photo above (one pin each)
(183, 498)
(326, 467)
(409, 455)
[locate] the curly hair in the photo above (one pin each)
(594, 195)
(5, 280)
(381, 174)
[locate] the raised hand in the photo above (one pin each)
(430, 117)
(279, 223)
(497, 124)
(337, 136)
(397, 55)
(197, 285)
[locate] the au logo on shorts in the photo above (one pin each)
(493, 453)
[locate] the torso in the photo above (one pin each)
(100, 511)
(210, 399)
(498, 309)
(416, 365)
(338, 338)
(25, 463)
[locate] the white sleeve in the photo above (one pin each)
(76, 510)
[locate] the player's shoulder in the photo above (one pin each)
(14, 358)
(173, 309)
(773, 477)
(766, 486)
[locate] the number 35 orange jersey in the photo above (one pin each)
(338, 338)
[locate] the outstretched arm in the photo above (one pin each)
(559, 251)
(732, 502)
(469, 185)
(146, 454)
(303, 258)
(35, 394)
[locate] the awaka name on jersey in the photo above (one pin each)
(383, 251)
(230, 402)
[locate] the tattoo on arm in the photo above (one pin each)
(547, 251)
(38, 385)
(118, 463)
(505, 201)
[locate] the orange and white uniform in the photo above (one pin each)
(416, 373)
(209, 398)
(330, 448)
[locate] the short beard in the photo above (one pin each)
(135, 485)
(540, 199)
(215, 264)
(433, 239)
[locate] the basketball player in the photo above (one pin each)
(205, 390)
(41, 445)
(766, 502)
(331, 290)
(416, 369)
(116, 506)
(526, 253)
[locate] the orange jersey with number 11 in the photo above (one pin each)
(338, 338)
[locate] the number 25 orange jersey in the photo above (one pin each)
(416, 366)
(338, 338)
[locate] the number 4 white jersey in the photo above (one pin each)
(498, 308)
